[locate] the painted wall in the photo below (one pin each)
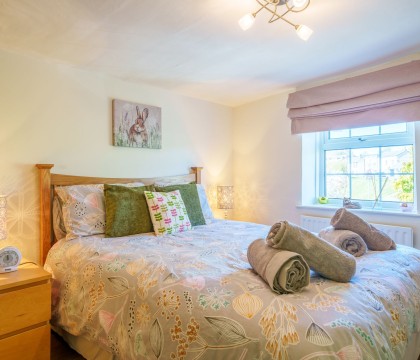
(268, 169)
(267, 162)
(51, 113)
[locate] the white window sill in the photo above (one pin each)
(330, 207)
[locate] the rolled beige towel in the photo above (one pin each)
(326, 259)
(374, 238)
(346, 240)
(284, 271)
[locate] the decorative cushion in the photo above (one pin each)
(205, 207)
(168, 212)
(191, 200)
(83, 209)
(58, 221)
(127, 212)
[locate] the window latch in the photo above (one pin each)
(361, 139)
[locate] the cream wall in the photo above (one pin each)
(267, 162)
(51, 113)
(268, 169)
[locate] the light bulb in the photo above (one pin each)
(246, 21)
(304, 32)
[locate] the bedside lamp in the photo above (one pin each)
(225, 198)
(9, 256)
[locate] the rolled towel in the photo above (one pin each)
(374, 238)
(326, 259)
(346, 240)
(284, 271)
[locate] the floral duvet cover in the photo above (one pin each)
(194, 295)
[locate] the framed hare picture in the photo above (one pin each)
(136, 125)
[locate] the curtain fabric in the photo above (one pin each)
(386, 96)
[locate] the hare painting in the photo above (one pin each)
(136, 125)
(137, 135)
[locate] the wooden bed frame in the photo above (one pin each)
(48, 180)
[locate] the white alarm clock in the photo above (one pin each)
(10, 258)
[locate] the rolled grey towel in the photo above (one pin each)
(374, 238)
(284, 271)
(326, 259)
(346, 240)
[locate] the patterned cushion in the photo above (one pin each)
(83, 209)
(168, 212)
(191, 200)
(127, 212)
(58, 221)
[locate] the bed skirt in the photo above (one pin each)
(83, 346)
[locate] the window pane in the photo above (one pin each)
(337, 186)
(394, 128)
(337, 161)
(365, 161)
(338, 134)
(366, 131)
(380, 166)
(390, 190)
(364, 187)
(397, 159)
(403, 186)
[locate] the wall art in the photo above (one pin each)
(136, 125)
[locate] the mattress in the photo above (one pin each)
(193, 295)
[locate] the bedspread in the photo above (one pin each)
(194, 295)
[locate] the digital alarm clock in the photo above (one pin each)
(10, 258)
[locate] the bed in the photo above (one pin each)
(193, 295)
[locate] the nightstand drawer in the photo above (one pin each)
(32, 344)
(24, 307)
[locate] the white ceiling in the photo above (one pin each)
(196, 48)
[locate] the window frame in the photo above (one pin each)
(367, 141)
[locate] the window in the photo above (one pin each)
(373, 165)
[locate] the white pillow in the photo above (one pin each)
(169, 182)
(205, 207)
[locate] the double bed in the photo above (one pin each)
(193, 295)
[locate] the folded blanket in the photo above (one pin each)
(346, 240)
(284, 271)
(323, 257)
(374, 238)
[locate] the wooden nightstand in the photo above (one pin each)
(25, 311)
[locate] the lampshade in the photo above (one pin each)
(225, 197)
(304, 32)
(246, 21)
(298, 3)
(3, 216)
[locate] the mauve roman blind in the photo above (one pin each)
(382, 97)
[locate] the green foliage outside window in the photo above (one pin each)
(404, 185)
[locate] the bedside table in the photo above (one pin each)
(25, 311)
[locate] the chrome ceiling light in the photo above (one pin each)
(273, 6)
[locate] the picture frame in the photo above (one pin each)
(136, 125)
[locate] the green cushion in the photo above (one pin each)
(126, 209)
(191, 200)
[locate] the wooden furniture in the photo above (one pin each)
(25, 309)
(48, 180)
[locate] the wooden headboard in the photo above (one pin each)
(48, 180)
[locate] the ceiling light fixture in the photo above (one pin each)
(272, 6)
